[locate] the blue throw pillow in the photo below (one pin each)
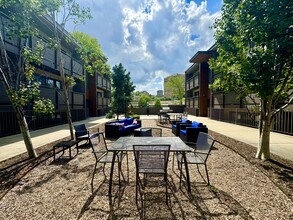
(184, 120)
(196, 124)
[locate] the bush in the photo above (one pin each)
(136, 116)
(157, 103)
(109, 115)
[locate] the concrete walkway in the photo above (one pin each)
(14, 145)
(281, 145)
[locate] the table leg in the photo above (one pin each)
(69, 152)
(187, 172)
(111, 173)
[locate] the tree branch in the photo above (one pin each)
(284, 106)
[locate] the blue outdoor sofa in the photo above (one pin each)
(176, 125)
(189, 132)
(121, 127)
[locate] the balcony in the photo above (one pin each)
(103, 83)
(192, 83)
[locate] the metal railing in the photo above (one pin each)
(9, 124)
(283, 122)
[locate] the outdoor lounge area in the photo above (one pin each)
(61, 189)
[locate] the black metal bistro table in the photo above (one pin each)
(126, 144)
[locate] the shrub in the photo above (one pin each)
(136, 116)
(109, 115)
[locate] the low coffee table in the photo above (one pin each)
(66, 145)
(139, 133)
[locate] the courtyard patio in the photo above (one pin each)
(61, 190)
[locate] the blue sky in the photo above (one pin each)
(151, 38)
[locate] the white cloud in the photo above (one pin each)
(151, 38)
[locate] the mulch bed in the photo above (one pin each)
(242, 188)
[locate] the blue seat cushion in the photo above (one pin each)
(183, 132)
(174, 126)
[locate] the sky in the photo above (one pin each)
(152, 39)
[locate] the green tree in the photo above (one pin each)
(18, 72)
(64, 11)
(254, 40)
(144, 100)
(157, 103)
(91, 53)
(175, 84)
(122, 88)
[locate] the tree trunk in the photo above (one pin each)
(58, 37)
(65, 93)
(68, 113)
(263, 151)
(25, 134)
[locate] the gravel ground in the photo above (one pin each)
(61, 190)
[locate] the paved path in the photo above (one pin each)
(14, 145)
(281, 145)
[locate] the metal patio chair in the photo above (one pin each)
(150, 159)
(102, 155)
(199, 156)
(81, 133)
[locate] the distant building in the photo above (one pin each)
(145, 92)
(160, 93)
(168, 93)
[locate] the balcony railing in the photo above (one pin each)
(283, 122)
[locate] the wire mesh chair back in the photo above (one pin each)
(99, 145)
(151, 132)
(202, 151)
(102, 155)
(151, 158)
(204, 144)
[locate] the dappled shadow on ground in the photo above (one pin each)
(278, 169)
(181, 205)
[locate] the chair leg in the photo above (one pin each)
(119, 173)
(92, 182)
(166, 182)
(173, 162)
(137, 186)
(207, 174)
(127, 167)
